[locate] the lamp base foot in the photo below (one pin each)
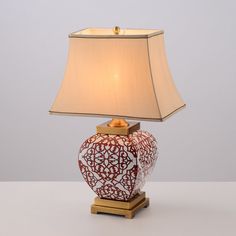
(123, 208)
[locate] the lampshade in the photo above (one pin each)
(121, 74)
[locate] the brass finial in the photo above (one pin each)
(116, 30)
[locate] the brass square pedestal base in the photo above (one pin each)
(127, 209)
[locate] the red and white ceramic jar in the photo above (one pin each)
(116, 166)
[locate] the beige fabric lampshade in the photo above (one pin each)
(117, 75)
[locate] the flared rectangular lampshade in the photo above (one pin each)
(117, 75)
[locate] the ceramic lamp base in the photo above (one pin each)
(116, 166)
(123, 208)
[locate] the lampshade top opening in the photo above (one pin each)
(109, 33)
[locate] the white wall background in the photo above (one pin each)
(197, 144)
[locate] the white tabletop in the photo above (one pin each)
(63, 209)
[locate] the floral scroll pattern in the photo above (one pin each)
(116, 166)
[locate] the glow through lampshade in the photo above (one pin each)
(117, 75)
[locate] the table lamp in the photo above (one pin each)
(121, 74)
